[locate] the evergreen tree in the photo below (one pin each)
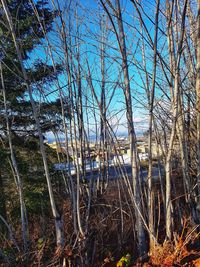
(30, 35)
(19, 111)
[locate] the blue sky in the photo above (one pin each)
(89, 46)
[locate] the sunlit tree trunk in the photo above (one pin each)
(18, 180)
(175, 105)
(56, 215)
(131, 130)
(103, 127)
(151, 109)
(198, 99)
(129, 116)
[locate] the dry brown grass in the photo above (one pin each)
(176, 252)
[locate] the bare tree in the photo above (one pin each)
(129, 113)
(174, 124)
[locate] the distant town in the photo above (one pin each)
(118, 153)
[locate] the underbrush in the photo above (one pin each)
(184, 250)
(110, 238)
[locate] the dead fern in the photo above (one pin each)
(176, 252)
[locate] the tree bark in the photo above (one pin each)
(15, 168)
(151, 108)
(198, 100)
(129, 116)
(56, 215)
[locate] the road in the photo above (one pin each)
(113, 172)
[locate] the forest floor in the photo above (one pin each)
(110, 236)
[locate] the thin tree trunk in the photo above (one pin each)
(131, 132)
(174, 125)
(15, 168)
(151, 107)
(129, 116)
(56, 215)
(198, 100)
